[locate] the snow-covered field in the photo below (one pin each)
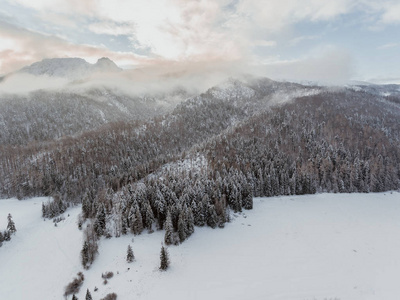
(326, 246)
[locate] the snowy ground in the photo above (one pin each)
(327, 246)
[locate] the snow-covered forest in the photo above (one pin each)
(214, 152)
(193, 163)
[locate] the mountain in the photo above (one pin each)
(47, 115)
(70, 68)
(80, 105)
(197, 164)
(263, 137)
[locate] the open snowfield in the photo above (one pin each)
(326, 246)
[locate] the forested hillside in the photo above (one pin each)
(215, 151)
(45, 115)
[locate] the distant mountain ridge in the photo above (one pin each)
(70, 68)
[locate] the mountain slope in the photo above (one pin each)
(46, 115)
(258, 138)
(70, 68)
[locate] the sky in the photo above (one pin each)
(316, 40)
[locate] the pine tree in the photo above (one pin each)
(100, 223)
(1, 238)
(164, 259)
(85, 254)
(182, 226)
(124, 225)
(169, 230)
(44, 214)
(247, 197)
(86, 207)
(6, 235)
(212, 219)
(88, 295)
(149, 218)
(138, 224)
(189, 222)
(74, 297)
(129, 255)
(11, 225)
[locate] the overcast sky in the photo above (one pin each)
(327, 40)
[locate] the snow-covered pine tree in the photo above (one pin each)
(74, 297)
(182, 226)
(189, 222)
(129, 255)
(43, 210)
(6, 235)
(212, 219)
(86, 206)
(11, 225)
(85, 254)
(149, 219)
(88, 295)
(124, 224)
(100, 223)
(169, 230)
(138, 224)
(247, 197)
(164, 259)
(161, 207)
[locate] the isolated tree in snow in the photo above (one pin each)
(129, 255)
(11, 225)
(164, 259)
(88, 295)
(74, 297)
(90, 247)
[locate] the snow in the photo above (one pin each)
(284, 96)
(232, 89)
(194, 164)
(315, 247)
(40, 259)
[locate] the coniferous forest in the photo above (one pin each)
(213, 153)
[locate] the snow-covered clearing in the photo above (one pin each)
(326, 246)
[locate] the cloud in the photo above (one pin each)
(193, 30)
(300, 39)
(13, 83)
(389, 45)
(331, 66)
(391, 14)
(20, 47)
(186, 31)
(194, 77)
(264, 43)
(385, 80)
(112, 28)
